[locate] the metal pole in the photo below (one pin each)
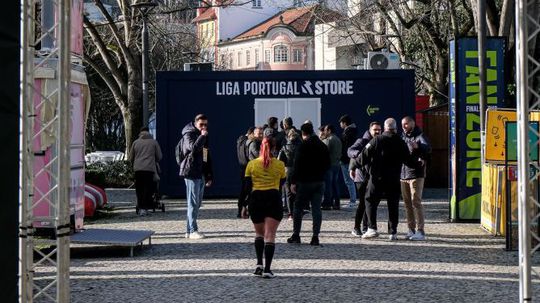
(522, 105)
(64, 166)
(144, 68)
(482, 74)
(25, 155)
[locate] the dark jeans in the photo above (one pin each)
(361, 215)
(244, 194)
(144, 188)
(291, 197)
(391, 189)
(331, 187)
(308, 192)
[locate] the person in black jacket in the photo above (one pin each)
(287, 155)
(307, 181)
(384, 154)
(348, 137)
(412, 177)
(242, 153)
(194, 166)
(360, 175)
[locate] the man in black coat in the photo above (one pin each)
(384, 154)
(360, 175)
(307, 181)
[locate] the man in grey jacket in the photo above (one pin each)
(331, 180)
(194, 163)
(145, 154)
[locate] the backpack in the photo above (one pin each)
(242, 150)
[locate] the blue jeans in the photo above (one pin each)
(307, 192)
(349, 183)
(331, 187)
(194, 195)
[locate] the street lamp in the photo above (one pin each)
(144, 7)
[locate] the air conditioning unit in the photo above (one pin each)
(382, 60)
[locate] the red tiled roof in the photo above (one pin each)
(299, 18)
(206, 15)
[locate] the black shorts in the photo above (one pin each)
(265, 204)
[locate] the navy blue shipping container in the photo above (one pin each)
(235, 101)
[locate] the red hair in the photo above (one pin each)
(265, 152)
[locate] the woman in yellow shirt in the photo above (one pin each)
(264, 177)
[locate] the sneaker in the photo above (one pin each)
(356, 232)
(371, 233)
(350, 206)
(418, 236)
(392, 237)
(196, 235)
(268, 275)
(187, 235)
(410, 233)
(314, 241)
(142, 212)
(258, 271)
(294, 239)
(289, 217)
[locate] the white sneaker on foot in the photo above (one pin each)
(418, 236)
(370, 233)
(410, 233)
(393, 237)
(196, 235)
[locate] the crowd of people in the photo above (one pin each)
(297, 171)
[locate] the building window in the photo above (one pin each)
(257, 3)
(267, 56)
(248, 58)
(239, 62)
(256, 56)
(297, 55)
(281, 53)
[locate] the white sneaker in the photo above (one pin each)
(370, 233)
(418, 236)
(410, 233)
(196, 235)
(392, 237)
(187, 235)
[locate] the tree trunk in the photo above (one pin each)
(133, 113)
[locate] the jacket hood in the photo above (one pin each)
(352, 125)
(145, 135)
(189, 128)
(367, 135)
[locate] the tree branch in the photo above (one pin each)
(110, 81)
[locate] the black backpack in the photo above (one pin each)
(242, 150)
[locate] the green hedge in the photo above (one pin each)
(111, 174)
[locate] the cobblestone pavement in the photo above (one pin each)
(458, 262)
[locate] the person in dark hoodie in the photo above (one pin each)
(194, 166)
(360, 175)
(307, 181)
(412, 177)
(348, 137)
(287, 155)
(384, 154)
(145, 154)
(242, 152)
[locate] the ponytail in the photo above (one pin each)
(265, 152)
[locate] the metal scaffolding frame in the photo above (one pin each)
(527, 25)
(33, 283)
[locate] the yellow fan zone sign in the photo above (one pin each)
(496, 133)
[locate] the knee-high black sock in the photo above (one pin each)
(269, 248)
(259, 247)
